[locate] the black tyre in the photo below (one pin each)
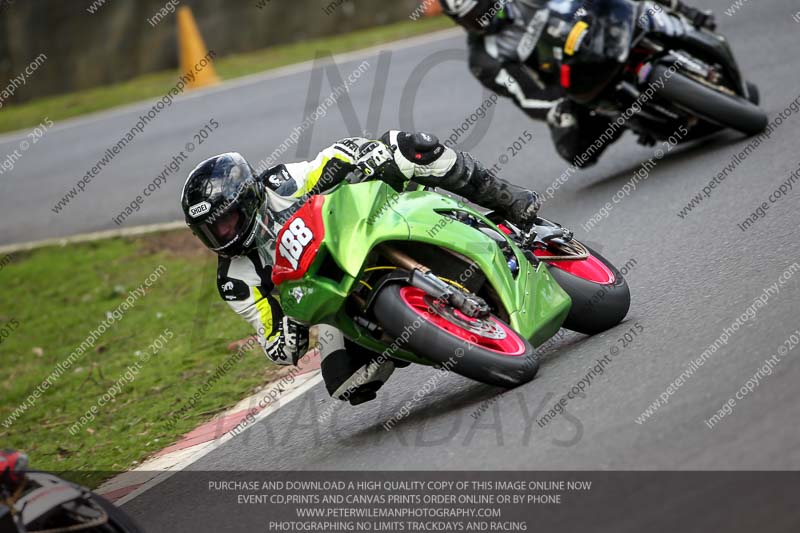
(486, 350)
(753, 94)
(600, 295)
(703, 101)
(118, 520)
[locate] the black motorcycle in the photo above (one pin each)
(33, 502)
(654, 68)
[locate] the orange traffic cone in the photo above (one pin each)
(194, 56)
(432, 8)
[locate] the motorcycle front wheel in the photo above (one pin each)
(485, 350)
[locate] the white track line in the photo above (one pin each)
(94, 236)
(204, 449)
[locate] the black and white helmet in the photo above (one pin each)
(222, 200)
(475, 16)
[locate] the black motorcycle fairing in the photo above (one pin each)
(618, 22)
(674, 32)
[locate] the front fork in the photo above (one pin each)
(421, 277)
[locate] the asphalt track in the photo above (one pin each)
(692, 278)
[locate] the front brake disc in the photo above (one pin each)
(483, 328)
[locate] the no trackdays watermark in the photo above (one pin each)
(511, 424)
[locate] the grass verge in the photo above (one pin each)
(57, 295)
(155, 85)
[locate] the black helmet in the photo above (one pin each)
(222, 201)
(475, 16)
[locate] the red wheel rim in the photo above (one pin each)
(510, 345)
(590, 269)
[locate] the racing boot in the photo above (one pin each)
(580, 136)
(355, 374)
(470, 179)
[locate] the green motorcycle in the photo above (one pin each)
(424, 278)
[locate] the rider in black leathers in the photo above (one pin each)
(508, 44)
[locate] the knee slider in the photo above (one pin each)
(483, 66)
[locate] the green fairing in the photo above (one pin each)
(359, 217)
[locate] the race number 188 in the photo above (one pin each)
(294, 241)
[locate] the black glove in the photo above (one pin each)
(289, 343)
(699, 18)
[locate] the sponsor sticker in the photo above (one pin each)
(575, 37)
(199, 209)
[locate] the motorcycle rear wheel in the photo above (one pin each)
(600, 295)
(754, 95)
(701, 100)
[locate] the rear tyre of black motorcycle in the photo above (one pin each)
(723, 109)
(753, 94)
(423, 337)
(596, 307)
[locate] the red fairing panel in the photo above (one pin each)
(298, 242)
